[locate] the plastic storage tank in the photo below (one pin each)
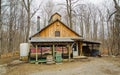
(24, 50)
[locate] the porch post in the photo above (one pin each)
(92, 46)
(62, 51)
(77, 48)
(53, 46)
(81, 52)
(69, 49)
(36, 53)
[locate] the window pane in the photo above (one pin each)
(57, 33)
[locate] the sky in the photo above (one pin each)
(98, 3)
(91, 1)
(95, 2)
(62, 1)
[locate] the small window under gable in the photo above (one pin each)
(57, 33)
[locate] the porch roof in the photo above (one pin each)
(56, 39)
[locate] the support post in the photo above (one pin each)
(92, 46)
(81, 52)
(69, 49)
(36, 53)
(53, 51)
(41, 50)
(77, 48)
(62, 51)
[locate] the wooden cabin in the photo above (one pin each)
(57, 37)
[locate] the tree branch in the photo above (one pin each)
(25, 5)
(116, 5)
(36, 10)
(111, 15)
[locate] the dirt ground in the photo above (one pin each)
(90, 66)
(8, 60)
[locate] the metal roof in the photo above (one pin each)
(61, 39)
(57, 39)
(91, 42)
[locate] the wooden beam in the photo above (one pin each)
(92, 46)
(41, 51)
(36, 53)
(69, 52)
(77, 48)
(51, 43)
(62, 51)
(81, 52)
(53, 46)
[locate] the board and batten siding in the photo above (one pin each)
(57, 26)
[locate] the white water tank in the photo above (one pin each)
(24, 49)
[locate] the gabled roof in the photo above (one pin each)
(51, 24)
(56, 13)
(53, 15)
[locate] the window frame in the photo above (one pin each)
(57, 33)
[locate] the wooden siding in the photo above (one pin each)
(55, 17)
(56, 26)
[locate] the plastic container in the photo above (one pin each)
(24, 50)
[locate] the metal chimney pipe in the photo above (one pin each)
(38, 23)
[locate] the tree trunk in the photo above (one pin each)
(69, 12)
(0, 28)
(10, 27)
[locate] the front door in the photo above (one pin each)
(75, 49)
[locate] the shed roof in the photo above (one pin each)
(91, 42)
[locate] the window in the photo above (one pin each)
(57, 33)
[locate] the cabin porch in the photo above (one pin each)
(67, 48)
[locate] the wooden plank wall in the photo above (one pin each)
(57, 26)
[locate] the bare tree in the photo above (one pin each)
(69, 11)
(117, 26)
(70, 6)
(27, 5)
(0, 27)
(11, 26)
(48, 10)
